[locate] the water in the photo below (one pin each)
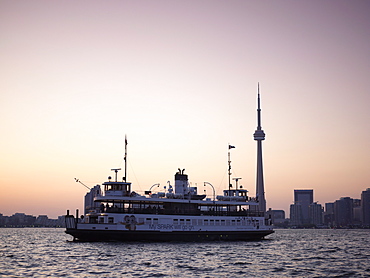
(47, 252)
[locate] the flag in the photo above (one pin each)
(231, 147)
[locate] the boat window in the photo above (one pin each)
(205, 221)
(194, 222)
(148, 221)
(222, 222)
(101, 219)
(93, 220)
(232, 222)
(238, 222)
(200, 222)
(182, 221)
(155, 220)
(110, 220)
(217, 222)
(188, 221)
(176, 221)
(212, 222)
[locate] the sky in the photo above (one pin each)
(179, 78)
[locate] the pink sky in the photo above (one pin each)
(180, 79)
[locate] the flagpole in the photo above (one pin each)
(125, 158)
(229, 161)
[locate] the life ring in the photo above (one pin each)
(133, 219)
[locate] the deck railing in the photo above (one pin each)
(184, 211)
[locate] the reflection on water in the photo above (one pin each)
(301, 253)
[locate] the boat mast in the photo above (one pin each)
(229, 168)
(125, 158)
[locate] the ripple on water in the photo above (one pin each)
(295, 253)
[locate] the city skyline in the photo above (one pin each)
(287, 212)
(180, 79)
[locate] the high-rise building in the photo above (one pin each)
(89, 199)
(329, 214)
(304, 197)
(365, 206)
(259, 136)
(343, 212)
(296, 215)
(277, 216)
(315, 214)
(357, 213)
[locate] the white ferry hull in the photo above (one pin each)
(119, 235)
(246, 228)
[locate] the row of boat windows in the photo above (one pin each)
(193, 222)
(206, 222)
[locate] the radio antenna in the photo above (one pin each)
(125, 158)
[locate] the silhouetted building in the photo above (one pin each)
(89, 199)
(357, 213)
(315, 213)
(19, 220)
(329, 214)
(343, 212)
(302, 198)
(296, 214)
(365, 207)
(277, 216)
(42, 221)
(2, 220)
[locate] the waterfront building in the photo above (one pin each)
(303, 198)
(89, 199)
(296, 214)
(60, 222)
(343, 212)
(277, 216)
(315, 213)
(357, 212)
(42, 220)
(329, 214)
(365, 207)
(17, 220)
(2, 220)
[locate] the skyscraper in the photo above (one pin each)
(365, 206)
(329, 214)
(259, 136)
(304, 198)
(296, 214)
(315, 212)
(343, 212)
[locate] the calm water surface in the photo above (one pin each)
(46, 252)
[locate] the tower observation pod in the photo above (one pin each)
(259, 136)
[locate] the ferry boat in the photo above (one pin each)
(114, 212)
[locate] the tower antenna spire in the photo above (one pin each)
(259, 109)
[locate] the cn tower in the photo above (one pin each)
(259, 136)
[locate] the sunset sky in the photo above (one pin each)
(180, 79)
